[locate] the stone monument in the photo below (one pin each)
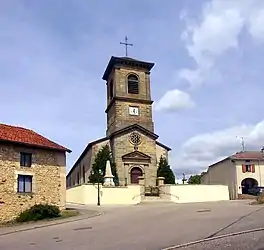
(108, 178)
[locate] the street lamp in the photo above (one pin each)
(98, 174)
(183, 179)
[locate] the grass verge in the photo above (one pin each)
(259, 200)
(63, 215)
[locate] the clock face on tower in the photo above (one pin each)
(133, 111)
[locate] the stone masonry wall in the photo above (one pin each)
(122, 146)
(161, 152)
(123, 118)
(118, 116)
(49, 184)
(121, 83)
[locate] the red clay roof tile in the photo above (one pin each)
(28, 137)
(248, 155)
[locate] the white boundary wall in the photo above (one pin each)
(194, 193)
(88, 194)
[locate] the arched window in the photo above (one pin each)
(132, 84)
(111, 89)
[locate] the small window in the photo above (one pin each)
(248, 166)
(78, 178)
(24, 184)
(132, 84)
(25, 159)
(83, 174)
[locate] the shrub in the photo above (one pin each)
(39, 212)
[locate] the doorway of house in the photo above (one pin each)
(134, 174)
(247, 184)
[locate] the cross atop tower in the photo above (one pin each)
(126, 44)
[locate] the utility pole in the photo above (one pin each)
(242, 143)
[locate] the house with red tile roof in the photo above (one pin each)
(32, 170)
(240, 172)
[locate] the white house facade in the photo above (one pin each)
(239, 172)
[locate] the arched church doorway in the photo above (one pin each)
(134, 174)
(247, 184)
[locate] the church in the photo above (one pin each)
(130, 128)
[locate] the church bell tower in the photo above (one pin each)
(128, 94)
(130, 135)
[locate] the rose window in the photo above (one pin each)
(135, 138)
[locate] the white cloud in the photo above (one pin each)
(256, 24)
(200, 151)
(174, 100)
(218, 31)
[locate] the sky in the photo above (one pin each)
(207, 83)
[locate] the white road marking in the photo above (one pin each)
(213, 238)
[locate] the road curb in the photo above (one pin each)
(52, 223)
(213, 238)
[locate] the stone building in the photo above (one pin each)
(130, 128)
(240, 172)
(32, 170)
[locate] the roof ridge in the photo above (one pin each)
(19, 127)
(18, 134)
(14, 126)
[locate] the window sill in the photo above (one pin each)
(25, 193)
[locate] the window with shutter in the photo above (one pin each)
(253, 168)
(132, 84)
(248, 166)
(243, 168)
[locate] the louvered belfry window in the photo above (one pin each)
(111, 89)
(132, 82)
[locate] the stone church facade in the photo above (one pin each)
(130, 128)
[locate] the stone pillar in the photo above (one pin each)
(160, 181)
(141, 182)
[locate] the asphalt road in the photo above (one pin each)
(247, 241)
(148, 226)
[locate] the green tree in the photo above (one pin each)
(165, 171)
(103, 155)
(195, 179)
